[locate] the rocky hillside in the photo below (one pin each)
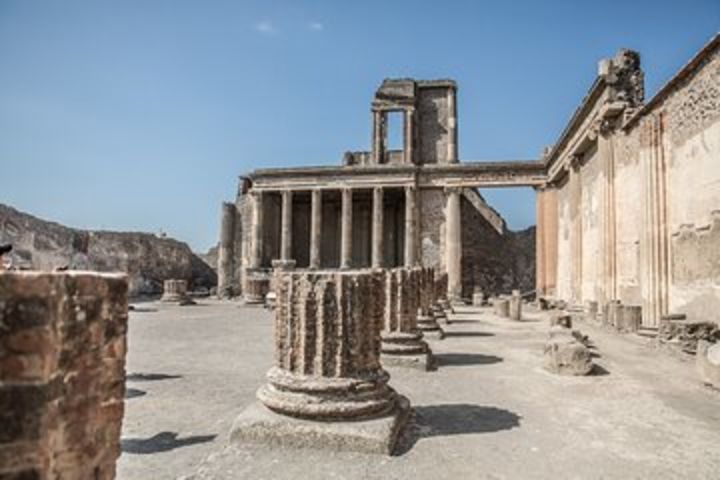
(147, 259)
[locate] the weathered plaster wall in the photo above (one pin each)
(590, 215)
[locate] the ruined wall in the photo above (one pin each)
(147, 259)
(691, 142)
(432, 228)
(433, 113)
(62, 374)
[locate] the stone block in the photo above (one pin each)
(174, 291)
(515, 307)
(502, 307)
(564, 355)
(629, 318)
(707, 362)
(62, 374)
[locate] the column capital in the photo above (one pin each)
(448, 189)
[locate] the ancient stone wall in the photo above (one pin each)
(433, 113)
(62, 374)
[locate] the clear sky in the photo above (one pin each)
(140, 114)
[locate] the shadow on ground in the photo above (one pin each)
(462, 359)
(150, 377)
(162, 442)
(469, 334)
(456, 419)
(134, 393)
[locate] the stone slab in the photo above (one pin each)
(259, 425)
(422, 361)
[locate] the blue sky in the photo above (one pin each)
(140, 115)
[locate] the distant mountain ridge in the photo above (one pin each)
(147, 259)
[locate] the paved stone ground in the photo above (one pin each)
(489, 411)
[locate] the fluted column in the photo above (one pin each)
(286, 226)
(327, 350)
(378, 240)
(453, 244)
(410, 226)
(258, 224)
(315, 227)
(346, 229)
(427, 322)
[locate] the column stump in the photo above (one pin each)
(402, 341)
(327, 389)
(175, 291)
(426, 321)
(256, 287)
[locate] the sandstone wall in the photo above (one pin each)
(62, 374)
(147, 259)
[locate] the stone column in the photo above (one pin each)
(452, 151)
(378, 241)
(378, 133)
(426, 320)
(654, 241)
(327, 367)
(608, 257)
(551, 239)
(286, 226)
(453, 244)
(258, 225)
(176, 291)
(540, 281)
(402, 341)
(576, 241)
(62, 381)
(226, 252)
(409, 136)
(410, 226)
(346, 229)
(515, 306)
(315, 228)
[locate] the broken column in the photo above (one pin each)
(327, 388)
(402, 340)
(478, 298)
(441, 305)
(62, 374)
(426, 321)
(175, 290)
(502, 306)
(566, 354)
(515, 306)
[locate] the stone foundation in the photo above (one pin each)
(327, 388)
(62, 374)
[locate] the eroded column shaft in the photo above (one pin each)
(315, 228)
(453, 244)
(377, 251)
(346, 229)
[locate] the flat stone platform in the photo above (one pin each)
(488, 411)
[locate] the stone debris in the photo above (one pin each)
(565, 355)
(685, 335)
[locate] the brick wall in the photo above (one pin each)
(62, 374)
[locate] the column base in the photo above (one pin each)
(430, 327)
(405, 349)
(259, 425)
(440, 314)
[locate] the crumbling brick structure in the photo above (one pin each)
(62, 374)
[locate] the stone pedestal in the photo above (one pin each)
(515, 306)
(426, 321)
(62, 375)
(327, 388)
(175, 291)
(256, 287)
(629, 318)
(478, 299)
(402, 341)
(502, 307)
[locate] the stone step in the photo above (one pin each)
(649, 332)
